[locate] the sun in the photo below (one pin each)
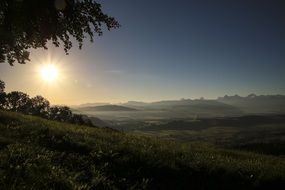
(49, 73)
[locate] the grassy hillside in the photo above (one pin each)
(41, 154)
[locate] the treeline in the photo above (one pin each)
(38, 106)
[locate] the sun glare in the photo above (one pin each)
(49, 73)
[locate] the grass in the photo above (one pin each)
(261, 138)
(41, 154)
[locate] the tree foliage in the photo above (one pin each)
(2, 86)
(60, 113)
(39, 106)
(17, 101)
(2, 94)
(26, 24)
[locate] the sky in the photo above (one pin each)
(166, 50)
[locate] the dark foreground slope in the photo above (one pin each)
(40, 154)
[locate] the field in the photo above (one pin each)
(263, 134)
(41, 154)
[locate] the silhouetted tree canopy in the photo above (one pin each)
(2, 100)
(2, 86)
(39, 106)
(2, 94)
(60, 113)
(26, 24)
(17, 101)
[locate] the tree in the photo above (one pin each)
(81, 120)
(26, 24)
(39, 106)
(60, 113)
(2, 100)
(2, 86)
(17, 101)
(2, 94)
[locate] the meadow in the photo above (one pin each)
(264, 133)
(36, 153)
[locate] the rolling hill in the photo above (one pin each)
(40, 154)
(251, 104)
(226, 106)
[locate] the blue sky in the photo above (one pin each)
(170, 50)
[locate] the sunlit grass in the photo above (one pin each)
(41, 154)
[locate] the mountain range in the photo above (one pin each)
(230, 105)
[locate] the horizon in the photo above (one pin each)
(179, 99)
(202, 49)
(186, 94)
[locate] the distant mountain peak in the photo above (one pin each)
(252, 95)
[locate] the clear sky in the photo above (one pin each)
(167, 50)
